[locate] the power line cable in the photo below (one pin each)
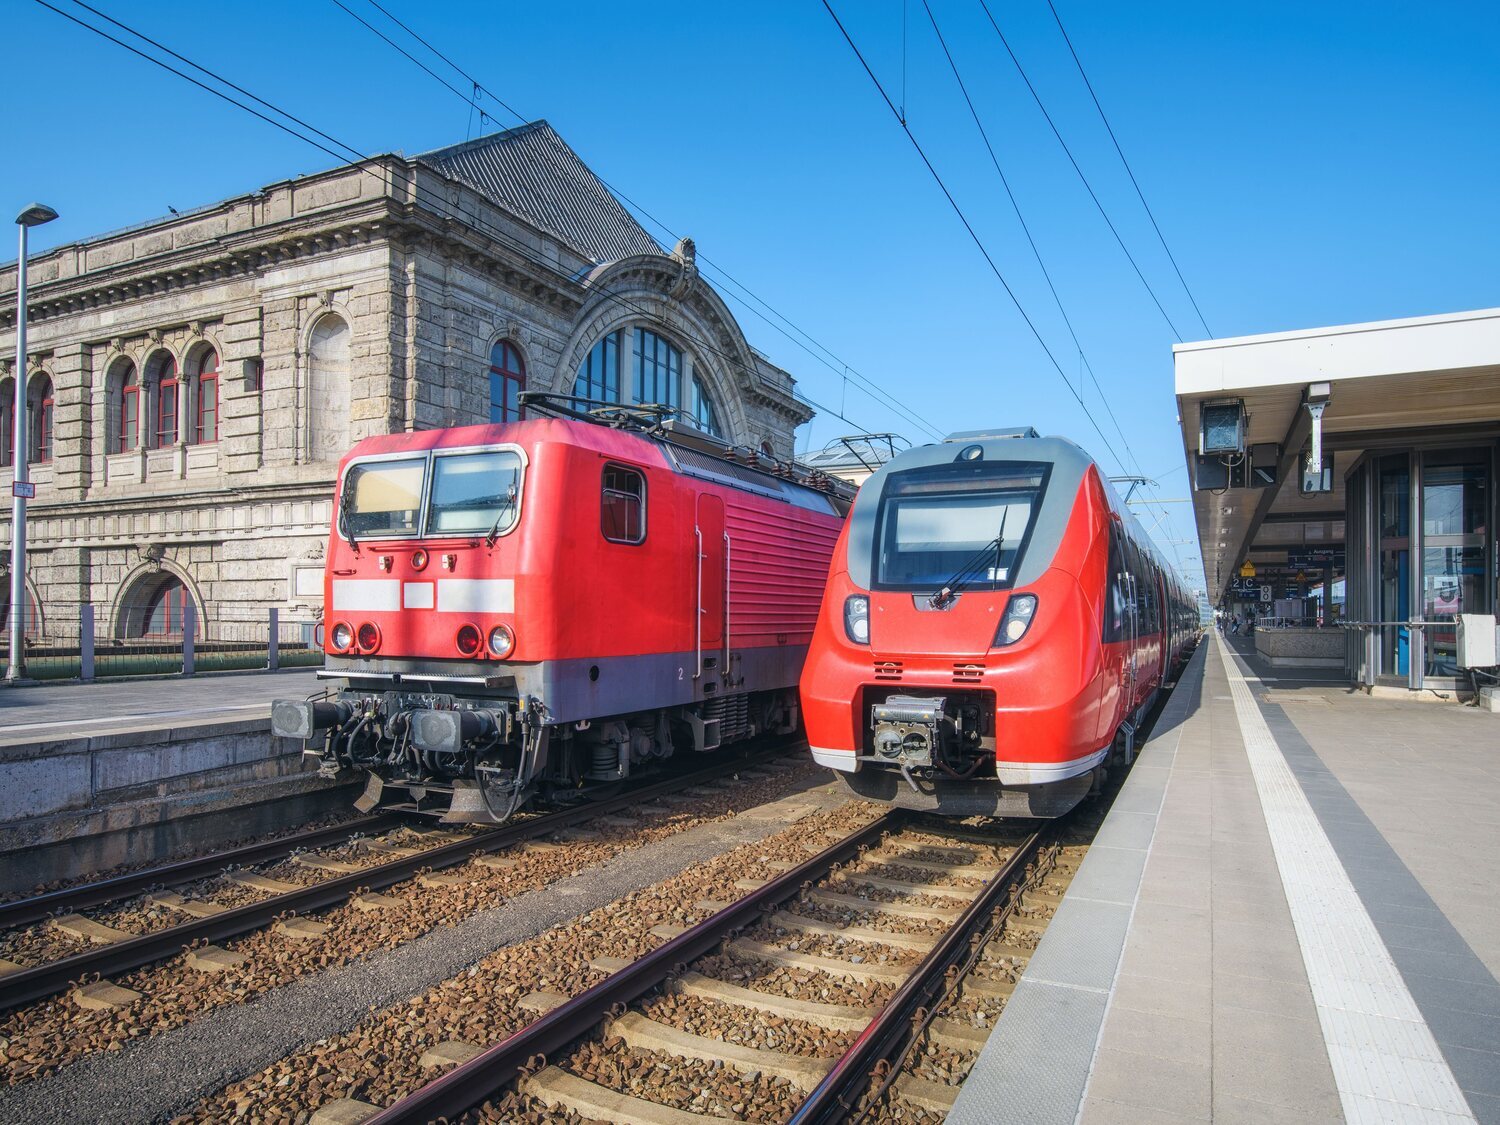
(968, 226)
(747, 298)
(1087, 186)
(362, 161)
(1128, 171)
(1026, 228)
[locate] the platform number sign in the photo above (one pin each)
(1265, 595)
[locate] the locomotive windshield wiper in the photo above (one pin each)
(971, 569)
(506, 509)
(346, 506)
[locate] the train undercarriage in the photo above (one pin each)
(477, 760)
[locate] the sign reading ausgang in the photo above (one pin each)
(1316, 558)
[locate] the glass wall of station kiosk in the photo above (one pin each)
(1421, 528)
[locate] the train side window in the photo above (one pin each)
(1113, 626)
(623, 510)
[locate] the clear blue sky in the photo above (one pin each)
(1309, 164)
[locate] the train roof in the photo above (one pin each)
(688, 453)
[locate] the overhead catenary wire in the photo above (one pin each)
(1128, 170)
(1026, 229)
(747, 298)
(974, 235)
(363, 162)
(1077, 168)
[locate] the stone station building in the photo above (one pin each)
(194, 381)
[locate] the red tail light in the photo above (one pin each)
(369, 637)
(468, 640)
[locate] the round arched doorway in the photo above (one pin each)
(154, 607)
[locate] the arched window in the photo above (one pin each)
(39, 419)
(704, 414)
(328, 389)
(507, 381)
(205, 427)
(658, 370)
(7, 422)
(154, 606)
(126, 407)
(599, 376)
(161, 389)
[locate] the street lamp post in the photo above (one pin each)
(33, 216)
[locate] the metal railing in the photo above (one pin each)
(220, 641)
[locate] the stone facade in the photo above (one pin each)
(358, 301)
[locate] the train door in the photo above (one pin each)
(711, 584)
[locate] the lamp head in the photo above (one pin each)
(36, 215)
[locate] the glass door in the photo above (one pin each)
(1455, 578)
(1393, 513)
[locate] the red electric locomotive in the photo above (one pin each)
(995, 622)
(542, 607)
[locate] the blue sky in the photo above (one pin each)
(1309, 164)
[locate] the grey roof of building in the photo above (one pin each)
(532, 172)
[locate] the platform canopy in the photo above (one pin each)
(1389, 384)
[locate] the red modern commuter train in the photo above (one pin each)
(543, 607)
(995, 622)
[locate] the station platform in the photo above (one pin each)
(1291, 913)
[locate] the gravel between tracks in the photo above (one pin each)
(200, 1057)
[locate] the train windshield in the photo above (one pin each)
(474, 493)
(383, 498)
(944, 520)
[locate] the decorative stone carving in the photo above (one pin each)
(152, 554)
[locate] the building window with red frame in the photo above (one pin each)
(7, 422)
(206, 406)
(128, 410)
(164, 431)
(507, 381)
(40, 403)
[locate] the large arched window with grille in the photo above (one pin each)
(658, 369)
(507, 381)
(39, 403)
(205, 405)
(599, 375)
(705, 415)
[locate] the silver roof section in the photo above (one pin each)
(969, 437)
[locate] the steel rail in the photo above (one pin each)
(473, 1082)
(24, 911)
(42, 981)
(842, 1087)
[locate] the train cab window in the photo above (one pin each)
(474, 493)
(623, 510)
(967, 523)
(382, 498)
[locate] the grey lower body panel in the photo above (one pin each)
(970, 798)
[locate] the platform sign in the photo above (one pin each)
(24, 489)
(1265, 594)
(1316, 558)
(1245, 588)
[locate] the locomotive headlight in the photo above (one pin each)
(502, 641)
(857, 618)
(1018, 614)
(342, 636)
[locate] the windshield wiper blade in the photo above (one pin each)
(346, 506)
(509, 506)
(970, 569)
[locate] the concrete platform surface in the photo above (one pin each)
(42, 712)
(1292, 913)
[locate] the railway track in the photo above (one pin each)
(276, 901)
(896, 920)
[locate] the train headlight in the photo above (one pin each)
(342, 637)
(502, 641)
(369, 637)
(419, 559)
(1018, 614)
(857, 618)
